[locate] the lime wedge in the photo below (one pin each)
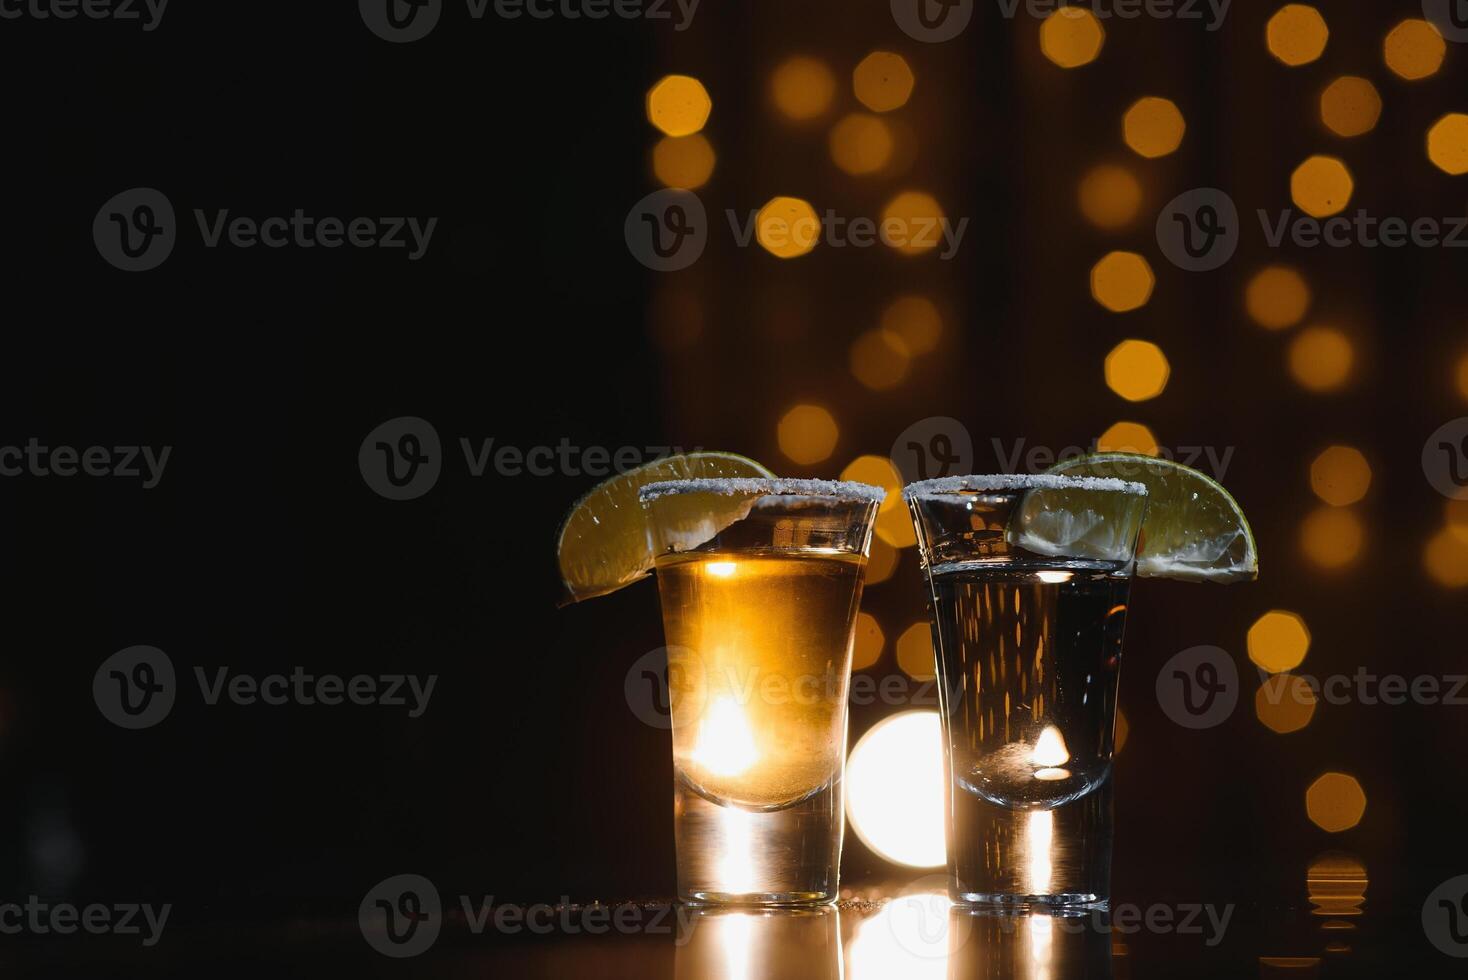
(1194, 531)
(603, 542)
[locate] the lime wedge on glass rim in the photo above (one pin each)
(603, 543)
(1194, 531)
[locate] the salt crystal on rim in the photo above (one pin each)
(730, 487)
(1018, 481)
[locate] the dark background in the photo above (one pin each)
(528, 322)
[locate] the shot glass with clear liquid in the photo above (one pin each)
(760, 582)
(1028, 578)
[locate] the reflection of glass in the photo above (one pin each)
(760, 582)
(1028, 580)
(909, 937)
(727, 944)
(1034, 946)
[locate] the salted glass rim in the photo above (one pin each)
(1002, 482)
(778, 487)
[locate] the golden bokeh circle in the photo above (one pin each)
(1277, 297)
(883, 81)
(678, 105)
(1137, 370)
(807, 434)
(915, 321)
(1153, 127)
(1122, 281)
(1321, 186)
(861, 143)
(1350, 106)
(1447, 144)
(1321, 359)
(1414, 49)
(1109, 196)
(1127, 437)
(1331, 537)
(802, 88)
(787, 227)
(1296, 34)
(685, 162)
(1071, 37)
(1335, 802)
(1278, 641)
(1340, 475)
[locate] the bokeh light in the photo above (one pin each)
(1321, 186)
(1278, 641)
(1122, 281)
(861, 144)
(1296, 34)
(882, 562)
(1340, 475)
(1071, 37)
(1331, 537)
(685, 162)
(1127, 437)
(1321, 358)
(1153, 127)
(807, 434)
(915, 652)
(1445, 558)
(883, 81)
(678, 105)
(1109, 196)
(908, 938)
(1277, 297)
(1350, 106)
(787, 227)
(1123, 729)
(915, 321)
(802, 88)
(1335, 802)
(1414, 49)
(879, 360)
(894, 789)
(1137, 370)
(1447, 143)
(869, 640)
(893, 526)
(911, 222)
(1284, 703)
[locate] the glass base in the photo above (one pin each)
(729, 856)
(1012, 860)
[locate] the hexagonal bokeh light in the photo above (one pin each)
(1296, 34)
(1122, 281)
(1340, 475)
(1127, 437)
(1335, 802)
(1321, 359)
(1153, 127)
(1109, 196)
(1284, 703)
(861, 143)
(802, 88)
(1447, 144)
(1350, 106)
(787, 227)
(1322, 186)
(1278, 641)
(883, 81)
(1071, 37)
(807, 434)
(1137, 370)
(1331, 537)
(1414, 49)
(678, 105)
(1277, 297)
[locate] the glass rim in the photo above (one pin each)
(948, 486)
(777, 487)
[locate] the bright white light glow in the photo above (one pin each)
(1050, 749)
(907, 939)
(894, 789)
(723, 569)
(726, 745)
(1055, 578)
(736, 855)
(1039, 832)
